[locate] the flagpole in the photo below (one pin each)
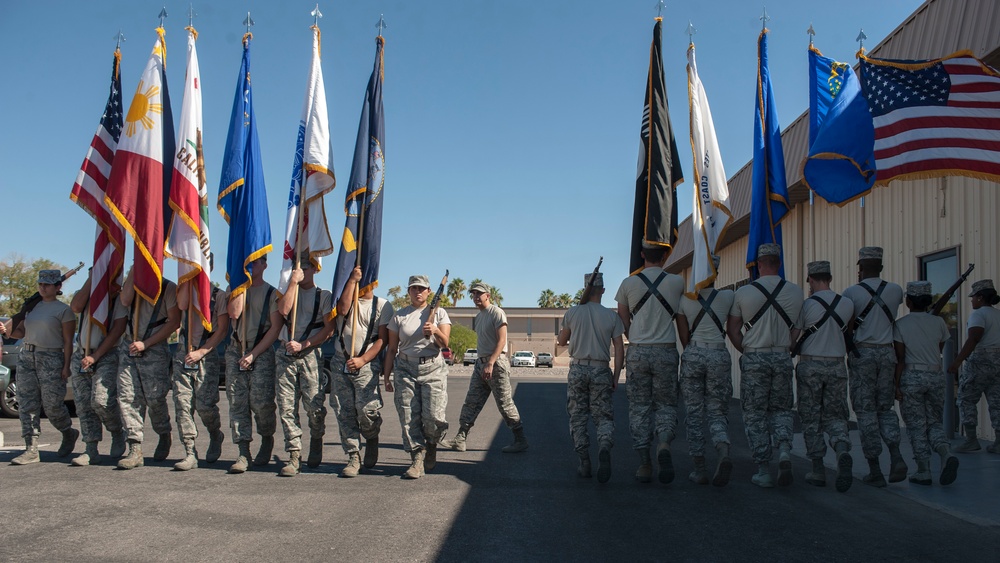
(861, 51)
(812, 200)
(357, 263)
(298, 249)
(189, 328)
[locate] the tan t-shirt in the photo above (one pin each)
(707, 331)
(651, 324)
(487, 323)
(96, 334)
(43, 325)
(988, 319)
(306, 306)
(828, 341)
(168, 298)
(770, 330)
(877, 328)
(383, 314)
(408, 322)
(922, 334)
(253, 308)
(197, 330)
(592, 328)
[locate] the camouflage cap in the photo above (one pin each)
(768, 249)
(715, 261)
(918, 288)
(870, 253)
(598, 282)
(819, 267)
(420, 281)
(49, 276)
(982, 285)
(480, 287)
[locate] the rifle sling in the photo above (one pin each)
(706, 307)
(651, 291)
(876, 299)
(830, 313)
(771, 302)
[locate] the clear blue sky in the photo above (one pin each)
(511, 127)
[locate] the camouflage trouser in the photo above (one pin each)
(40, 385)
(822, 388)
(922, 407)
(250, 392)
(652, 393)
(96, 396)
(588, 396)
(707, 387)
(873, 394)
(480, 391)
(356, 399)
(767, 400)
(980, 374)
(143, 382)
(299, 377)
(421, 399)
(196, 390)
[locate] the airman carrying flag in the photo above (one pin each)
(88, 193)
(654, 218)
(139, 185)
(312, 177)
(710, 215)
(362, 243)
(188, 241)
(242, 196)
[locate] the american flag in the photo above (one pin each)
(934, 118)
(88, 193)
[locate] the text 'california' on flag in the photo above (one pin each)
(140, 183)
(188, 240)
(934, 118)
(313, 163)
(88, 193)
(242, 196)
(710, 215)
(362, 240)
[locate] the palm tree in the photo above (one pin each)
(495, 296)
(456, 289)
(547, 299)
(564, 301)
(579, 296)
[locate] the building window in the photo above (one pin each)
(941, 269)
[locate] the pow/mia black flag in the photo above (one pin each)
(655, 217)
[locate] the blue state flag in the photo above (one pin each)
(840, 166)
(769, 193)
(362, 240)
(242, 197)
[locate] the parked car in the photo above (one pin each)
(470, 357)
(524, 358)
(449, 357)
(543, 359)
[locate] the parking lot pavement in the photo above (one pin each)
(477, 505)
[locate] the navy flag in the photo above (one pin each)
(362, 241)
(654, 219)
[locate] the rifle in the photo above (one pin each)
(437, 298)
(30, 302)
(590, 284)
(939, 305)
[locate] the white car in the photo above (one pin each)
(470, 357)
(523, 359)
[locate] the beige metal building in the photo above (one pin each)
(930, 229)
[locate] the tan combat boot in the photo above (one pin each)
(353, 466)
(817, 477)
(666, 462)
(134, 457)
(291, 467)
(371, 452)
(971, 443)
(69, 438)
(874, 477)
(949, 465)
(90, 456)
(520, 443)
(584, 469)
(416, 469)
(724, 470)
(897, 467)
(785, 465)
(190, 460)
(923, 474)
(458, 442)
(763, 477)
(604, 463)
(119, 441)
(264, 453)
(700, 474)
(315, 452)
(162, 447)
(215, 446)
(430, 456)
(845, 468)
(243, 460)
(645, 472)
(30, 454)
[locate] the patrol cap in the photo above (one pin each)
(819, 267)
(480, 287)
(598, 281)
(421, 281)
(982, 285)
(870, 253)
(715, 261)
(49, 276)
(768, 249)
(918, 288)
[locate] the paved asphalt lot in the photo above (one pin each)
(480, 505)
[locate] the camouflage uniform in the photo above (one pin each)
(588, 396)
(40, 385)
(143, 382)
(922, 407)
(250, 392)
(96, 395)
(822, 389)
(297, 377)
(766, 400)
(873, 395)
(421, 398)
(652, 392)
(480, 391)
(707, 386)
(196, 390)
(980, 374)
(357, 400)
